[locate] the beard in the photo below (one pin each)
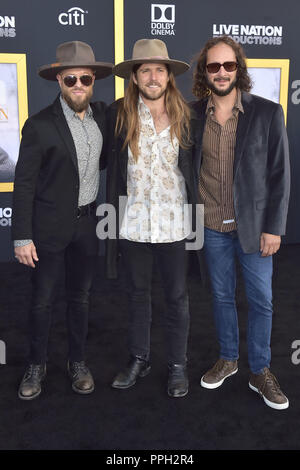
(218, 92)
(144, 93)
(78, 105)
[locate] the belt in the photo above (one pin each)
(88, 209)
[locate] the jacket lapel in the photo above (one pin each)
(99, 118)
(64, 131)
(183, 162)
(244, 123)
(198, 123)
(123, 156)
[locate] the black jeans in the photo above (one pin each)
(79, 260)
(171, 258)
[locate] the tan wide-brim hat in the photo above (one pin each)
(75, 54)
(149, 51)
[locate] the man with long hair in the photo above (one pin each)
(244, 180)
(150, 163)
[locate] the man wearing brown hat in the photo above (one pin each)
(54, 221)
(150, 163)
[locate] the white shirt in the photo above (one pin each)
(156, 188)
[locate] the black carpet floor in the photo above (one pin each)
(144, 417)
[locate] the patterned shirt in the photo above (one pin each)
(216, 174)
(156, 188)
(88, 142)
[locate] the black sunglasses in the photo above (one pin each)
(71, 80)
(214, 67)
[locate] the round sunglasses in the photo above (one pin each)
(71, 80)
(214, 67)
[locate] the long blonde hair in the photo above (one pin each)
(176, 108)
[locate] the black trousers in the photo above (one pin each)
(138, 259)
(79, 260)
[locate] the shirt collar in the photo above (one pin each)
(70, 113)
(142, 106)
(237, 105)
(146, 117)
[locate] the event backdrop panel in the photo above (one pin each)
(266, 30)
(35, 29)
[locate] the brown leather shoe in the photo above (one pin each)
(30, 386)
(82, 380)
(267, 386)
(218, 373)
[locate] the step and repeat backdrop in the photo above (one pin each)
(30, 32)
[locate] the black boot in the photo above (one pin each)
(178, 383)
(137, 367)
(30, 386)
(81, 377)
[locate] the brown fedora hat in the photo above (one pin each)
(146, 51)
(75, 54)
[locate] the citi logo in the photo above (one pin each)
(162, 13)
(74, 17)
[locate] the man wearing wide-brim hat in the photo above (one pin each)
(150, 162)
(54, 208)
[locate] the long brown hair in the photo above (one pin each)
(200, 88)
(176, 108)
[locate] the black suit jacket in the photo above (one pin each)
(116, 184)
(261, 179)
(46, 187)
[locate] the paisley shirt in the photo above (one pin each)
(156, 209)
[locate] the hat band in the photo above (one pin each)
(157, 57)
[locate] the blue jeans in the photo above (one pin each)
(221, 250)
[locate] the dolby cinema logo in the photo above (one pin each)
(162, 20)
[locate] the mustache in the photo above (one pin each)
(153, 83)
(218, 79)
(77, 88)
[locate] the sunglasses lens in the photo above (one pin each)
(86, 80)
(213, 67)
(230, 66)
(70, 80)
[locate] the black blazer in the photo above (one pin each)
(261, 180)
(46, 187)
(116, 183)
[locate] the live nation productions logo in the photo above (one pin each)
(7, 26)
(261, 35)
(73, 17)
(162, 19)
